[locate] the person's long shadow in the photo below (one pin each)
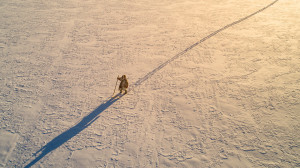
(73, 131)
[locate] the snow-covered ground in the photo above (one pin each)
(214, 83)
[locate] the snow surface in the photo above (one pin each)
(213, 83)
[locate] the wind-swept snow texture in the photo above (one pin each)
(212, 83)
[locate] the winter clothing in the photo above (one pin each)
(124, 83)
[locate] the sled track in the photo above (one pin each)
(147, 76)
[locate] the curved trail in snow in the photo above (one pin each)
(147, 76)
(94, 115)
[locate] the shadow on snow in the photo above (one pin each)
(73, 131)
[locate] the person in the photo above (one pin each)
(124, 84)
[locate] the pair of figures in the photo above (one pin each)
(124, 83)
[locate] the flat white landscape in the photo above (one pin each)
(213, 83)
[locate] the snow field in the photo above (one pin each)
(230, 101)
